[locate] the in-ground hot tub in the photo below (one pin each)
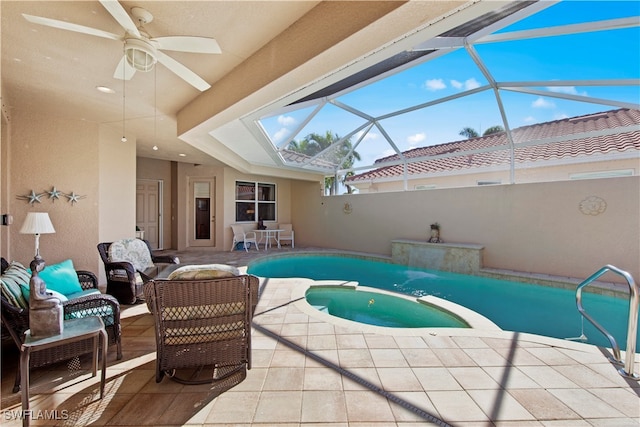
(380, 309)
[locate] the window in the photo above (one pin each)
(252, 197)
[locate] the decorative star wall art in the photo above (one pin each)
(54, 194)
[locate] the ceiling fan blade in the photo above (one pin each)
(183, 72)
(120, 14)
(124, 71)
(70, 27)
(188, 44)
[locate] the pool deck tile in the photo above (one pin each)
(308, 371)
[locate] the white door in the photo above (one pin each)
(148, 211)
(202, 212)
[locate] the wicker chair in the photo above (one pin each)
(123, 281)
(16, 322)
(203, 326)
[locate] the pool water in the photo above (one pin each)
(380, 309)
(512, 306)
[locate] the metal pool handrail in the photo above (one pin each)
(634, 299)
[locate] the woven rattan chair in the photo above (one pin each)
(16, 322)
(123, 281)
(203, 326)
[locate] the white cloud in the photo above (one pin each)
(369, 136)
(471, 84)
(571, 90)
(560, 116)
(529, 119)
(281, 135)
(417, 138)
(435, 84)
(467, 84)
(542, 103)
(286, 121)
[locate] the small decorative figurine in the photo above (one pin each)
(435, 233)
(45, 310)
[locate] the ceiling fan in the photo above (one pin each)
(141, 51)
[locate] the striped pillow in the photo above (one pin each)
(11, 280)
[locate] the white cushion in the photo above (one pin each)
(203, 272)
(134, 251)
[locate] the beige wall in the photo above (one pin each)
(177, 196)
(117, 192)
(461, 178)
(43, 151)
(4, 183)
(535, 228)
(159, 170)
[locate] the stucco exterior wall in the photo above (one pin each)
(47, 152)
(537, 228)
(528, 174)
(283, 200)
(4, 183)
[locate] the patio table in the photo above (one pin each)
(268, 234)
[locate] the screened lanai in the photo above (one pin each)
(526, 64)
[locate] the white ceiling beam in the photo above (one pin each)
(587, 27)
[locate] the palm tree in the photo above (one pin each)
(472, 133)
(314, 143)
(469, 133)
(492, 130)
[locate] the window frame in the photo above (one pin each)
(256, 201)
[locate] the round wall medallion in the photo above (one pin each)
(593, 205)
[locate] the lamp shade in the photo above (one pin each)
(37, 223)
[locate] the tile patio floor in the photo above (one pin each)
(307, 372)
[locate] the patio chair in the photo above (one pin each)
(203, 325)
(286, 234)
(16, 321)
(125, 275)
(240, 235)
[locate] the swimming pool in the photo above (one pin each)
(512, 306)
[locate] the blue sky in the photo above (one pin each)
(585, 56)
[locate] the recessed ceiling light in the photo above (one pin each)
(105, 89)
(182, 155)
(155, 148)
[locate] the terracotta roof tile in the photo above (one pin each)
(580, 146)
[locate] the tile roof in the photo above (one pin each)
(559, 139)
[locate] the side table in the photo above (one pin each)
(74, 330)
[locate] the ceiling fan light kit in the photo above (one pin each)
(141, 51)
(140, 54)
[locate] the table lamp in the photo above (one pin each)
(37, 223)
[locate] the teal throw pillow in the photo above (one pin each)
(61, 278)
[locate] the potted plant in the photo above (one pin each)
(435, 233)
